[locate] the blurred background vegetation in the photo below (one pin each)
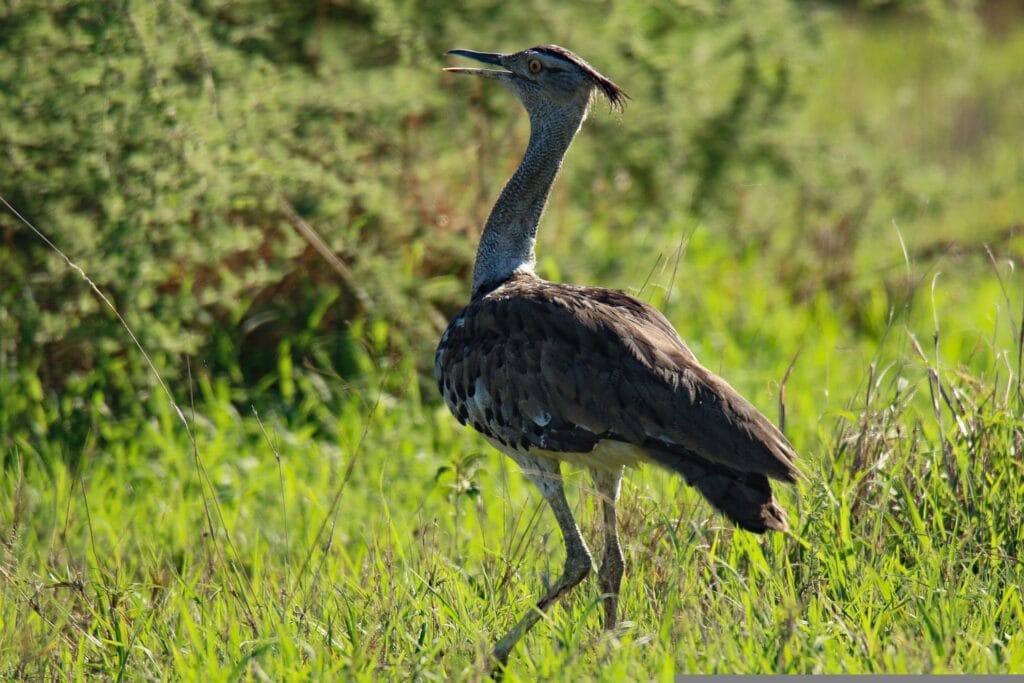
(200, 159)
(283, 201)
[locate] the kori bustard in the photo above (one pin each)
(549, 372)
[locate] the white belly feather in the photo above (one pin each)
(608, 455)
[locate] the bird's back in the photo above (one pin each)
(579, 373)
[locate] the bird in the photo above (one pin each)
(553, 373)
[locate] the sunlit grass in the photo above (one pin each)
(903, 556)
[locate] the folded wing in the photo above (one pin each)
(539, 365)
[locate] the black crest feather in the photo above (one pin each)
(616, 96)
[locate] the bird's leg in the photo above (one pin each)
(613, 564)
(546, 475)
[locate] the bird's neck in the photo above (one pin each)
(507, 244)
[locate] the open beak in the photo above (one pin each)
(485, 57)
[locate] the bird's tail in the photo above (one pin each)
(744, 497)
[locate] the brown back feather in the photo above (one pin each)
(594, 364)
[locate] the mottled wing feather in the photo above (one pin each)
(561, 368)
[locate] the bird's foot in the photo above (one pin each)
(619, 628)
(499, 658)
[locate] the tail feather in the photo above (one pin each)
(744, 497)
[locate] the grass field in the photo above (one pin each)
(351, 529)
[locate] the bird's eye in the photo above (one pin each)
(534, 66)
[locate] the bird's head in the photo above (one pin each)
(545, 76)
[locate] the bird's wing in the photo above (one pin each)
(539, 365)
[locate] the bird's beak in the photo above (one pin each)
(485, 57)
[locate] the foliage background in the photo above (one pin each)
(282, 201)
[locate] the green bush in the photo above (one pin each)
(172, 150)
(250, 181)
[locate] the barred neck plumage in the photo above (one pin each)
(507, 244)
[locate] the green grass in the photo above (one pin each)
(357, 554)
(354, 530)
